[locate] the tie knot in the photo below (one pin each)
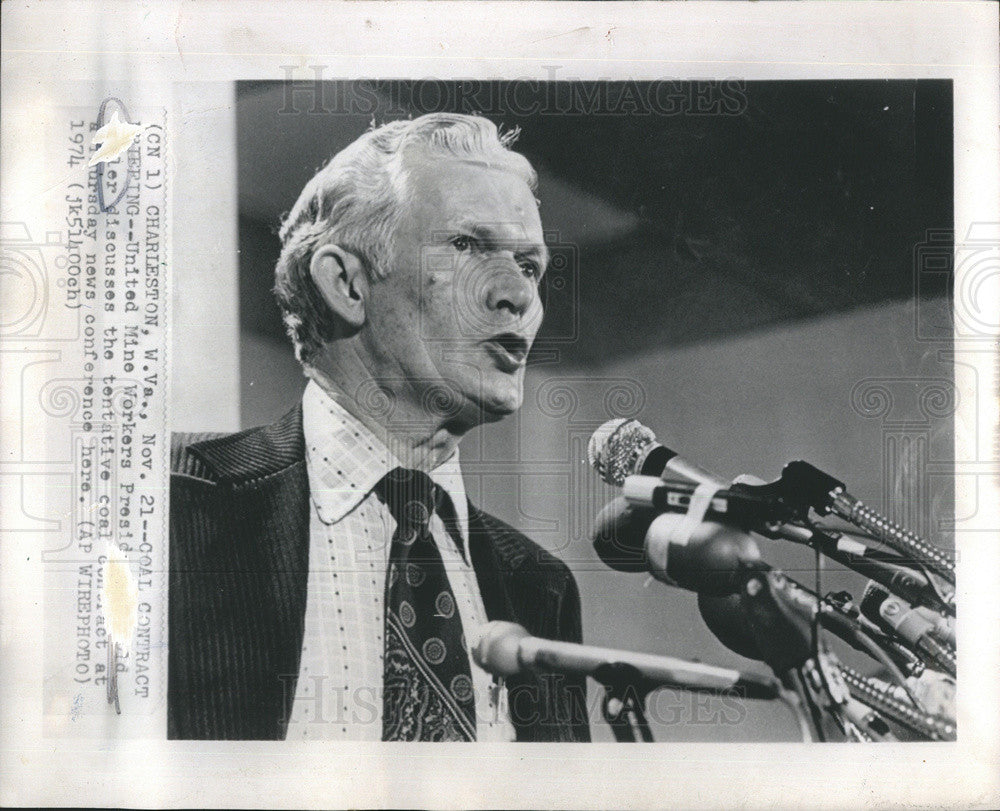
(410, 496)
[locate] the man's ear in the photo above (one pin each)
(341, 280)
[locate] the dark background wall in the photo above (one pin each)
(743, 266)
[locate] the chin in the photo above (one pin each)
(499, 398)
(495, 413)
(489, 396)
(500, 406)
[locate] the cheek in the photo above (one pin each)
(440, 301)
(432, 286)
(404, 299)
(393, 319)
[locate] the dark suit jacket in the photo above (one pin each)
(239, 553)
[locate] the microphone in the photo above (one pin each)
(916, 626)
(746, 507)
(749, 510)
(625, 453)
(739, 630)
(770, 621)
(625, 447)
(885, 568)
(619, 535)
(708, 559)
(884, 698)
(506, 649)
(807, 486)
(727, 619)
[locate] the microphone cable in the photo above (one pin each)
(862, 638)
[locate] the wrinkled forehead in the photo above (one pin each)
(421, 158)
(488, 187)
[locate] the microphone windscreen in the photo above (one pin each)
(728, 620)
(619, 535)
(616, 447)
(710, 558)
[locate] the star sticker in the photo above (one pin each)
(114, 137)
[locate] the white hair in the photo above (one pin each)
(355, 201)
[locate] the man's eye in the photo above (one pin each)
(462, 243)
(530, 268)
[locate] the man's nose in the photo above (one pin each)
(511, 291)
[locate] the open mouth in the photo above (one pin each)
(509, 349)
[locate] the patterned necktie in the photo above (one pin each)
(427, 690)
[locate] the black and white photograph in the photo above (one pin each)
(527, 292)
(619, 381)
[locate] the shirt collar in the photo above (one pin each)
(345, 460)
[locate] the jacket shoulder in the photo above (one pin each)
(240, 457)
(185, 462)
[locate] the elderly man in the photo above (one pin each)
(327, 572)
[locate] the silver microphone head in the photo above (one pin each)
(616, 447)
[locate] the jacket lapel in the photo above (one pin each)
(490, 567)
(517, 587)
(514, 586)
